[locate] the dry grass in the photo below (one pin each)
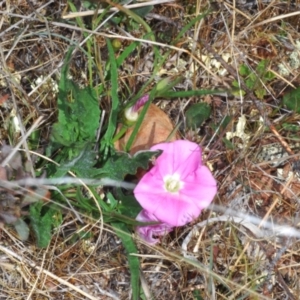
(247, 245)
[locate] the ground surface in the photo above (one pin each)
(247, 245)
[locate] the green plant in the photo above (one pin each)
(254, 80)
(76, 150)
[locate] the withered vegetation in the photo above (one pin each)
(247, 245)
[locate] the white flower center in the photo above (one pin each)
(172, 183)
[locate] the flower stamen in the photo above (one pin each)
(172, 183)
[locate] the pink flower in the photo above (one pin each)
(151, 233)
(178, 187)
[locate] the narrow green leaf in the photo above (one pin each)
(134, 265)
(165, 85)
(127, 51)
(142, 11)
(112, 122)
(187, 27)
(183, 94)
(228, 144)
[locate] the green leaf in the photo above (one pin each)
(237, 92)
(290, 127)
(118, 217)
(235, 83)
(197, 295)
(244, 70)
(183, 94)
(112, 121)
(187, 27)
(222, 126)
(260, 93)
(134, 265)
(142, 11)
(127, 51)
(112, 201)
(228, 144)
(128, 206)
(22, 229)
(87, 203)
(269, 76)
(165, 85)
(292, 100)
(42, 221)
(250, 83)
(78, 117)
(197, 114)
(262, 67)
(82, 164)
(78, 114)
(84, 203)
(121, 164)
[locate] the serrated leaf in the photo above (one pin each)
(82, 164)
(121, 164)
(197, 114)
(269, 76)
(235, 83)
(41, 223)
(244, 70)
(260, 93)
(261, 67)
(292, 100)
(250, 83)
(78, 114)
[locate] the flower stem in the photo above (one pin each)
(119, 134)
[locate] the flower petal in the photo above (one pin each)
(200, 187)
(197, 185)
(182, 157)
(176, 212)
(151, 233)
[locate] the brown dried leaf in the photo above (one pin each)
(155, 128)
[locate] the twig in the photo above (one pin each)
(65, 180)
(99, 11)
(24, 261)
(284, 286)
